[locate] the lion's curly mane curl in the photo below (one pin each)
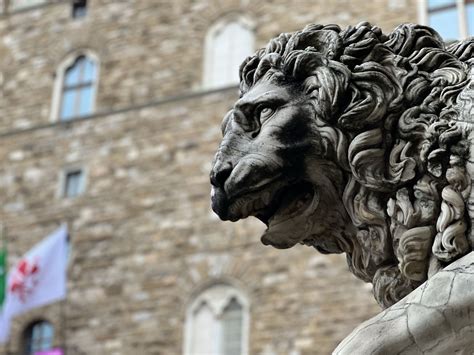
(388, 107)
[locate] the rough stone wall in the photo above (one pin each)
(144, 239)
(147, 49)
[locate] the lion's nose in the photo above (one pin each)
(219, 174)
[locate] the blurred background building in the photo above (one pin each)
(109, 119)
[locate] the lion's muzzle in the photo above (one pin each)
(219, 174)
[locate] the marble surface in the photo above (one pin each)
(358, 142)
(436, 318)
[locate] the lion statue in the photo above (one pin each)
(353, 141)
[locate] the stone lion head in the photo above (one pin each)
(347, 141)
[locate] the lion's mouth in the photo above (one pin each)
(284, 210)
(287, 203)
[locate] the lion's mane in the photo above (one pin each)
(387, 103)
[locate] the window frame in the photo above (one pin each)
(209, 42)
(460, 5)
(63, 181)
(79, 10)
(205, 295)
(27, 335)
(58, 87)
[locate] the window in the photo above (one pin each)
(453, 19)
(232, 328)
(22, 4)
(75, 87)
(38, 337)
(78, 92)
(470, 18)
(228, 43)
(217, 323)
(73, 183)
(79, 8)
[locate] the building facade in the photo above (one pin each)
(110, 115)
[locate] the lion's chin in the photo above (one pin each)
(289, 223)
(284, 207)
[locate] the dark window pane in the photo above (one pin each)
(73, 183)
(68, 105)
(79, 8)
(38, 337)
(36, 332)
(446, 23)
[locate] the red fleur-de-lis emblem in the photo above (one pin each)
(24, 279)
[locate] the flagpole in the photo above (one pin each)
(63, 304)
(62, 311)
(3, 231)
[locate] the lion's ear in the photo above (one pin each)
(326, 42)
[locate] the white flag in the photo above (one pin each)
(39, 278)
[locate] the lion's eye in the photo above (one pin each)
(265, 113)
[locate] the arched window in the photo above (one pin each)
(217, 323)
(75, 89)
(228, 43)
(38, 336)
